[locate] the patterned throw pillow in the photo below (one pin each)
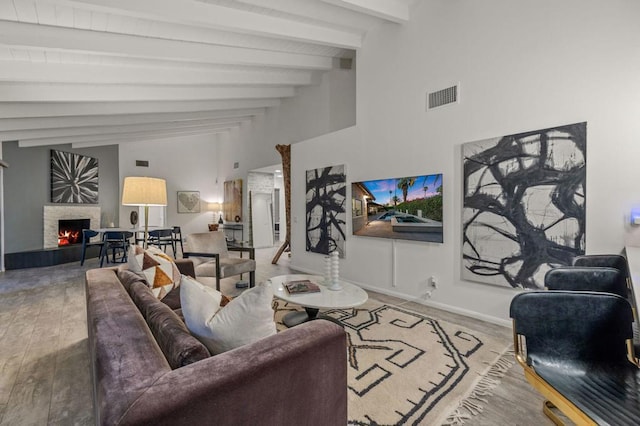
(159, 269)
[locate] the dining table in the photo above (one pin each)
(138, 232)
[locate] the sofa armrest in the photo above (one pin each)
(298, 376)
(185, 266)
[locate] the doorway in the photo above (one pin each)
(261, 220)
(268, 180)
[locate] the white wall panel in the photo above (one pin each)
(522, 66)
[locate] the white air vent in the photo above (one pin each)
(442, 97)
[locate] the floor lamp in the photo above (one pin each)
(144, 191)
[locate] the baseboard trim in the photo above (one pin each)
(48, 257)
(411, 298)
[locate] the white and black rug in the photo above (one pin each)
(409, 368)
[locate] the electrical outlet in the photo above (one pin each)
(433, 282)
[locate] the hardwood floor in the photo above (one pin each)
(44, 364)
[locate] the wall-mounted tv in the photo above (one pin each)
(408, 208)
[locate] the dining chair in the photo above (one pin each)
(586, 278)
(116, 241)
(161, 238)
(615, 261)
(177, 238)
(87, 234)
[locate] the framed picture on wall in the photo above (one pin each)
(188, 201)
(326, 210)
(524, 205)
(232, 206)
(74, 178)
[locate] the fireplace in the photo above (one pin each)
(52, 253)
(53, 214)
(70, 231)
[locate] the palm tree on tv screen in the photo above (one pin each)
(404, 184)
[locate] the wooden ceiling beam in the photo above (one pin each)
(23, 71)
(27, 35)
(213, 133)
(113, 138)
(391, 10)
(118, 128)
(63, 92)
(51, 123)
(66, 109)
(207, 15)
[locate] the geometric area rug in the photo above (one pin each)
(406, 368)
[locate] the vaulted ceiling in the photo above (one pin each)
(95, 72)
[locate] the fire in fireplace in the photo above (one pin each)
(70, 231)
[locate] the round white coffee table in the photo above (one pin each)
(348, 297)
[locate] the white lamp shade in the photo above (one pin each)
(214, 207)
(144, 191)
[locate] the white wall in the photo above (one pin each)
(188, 164)
(521, 66)
(315, 110)
(204, 163)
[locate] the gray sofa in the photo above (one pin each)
(148, 370)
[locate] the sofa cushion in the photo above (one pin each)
(245, 319)
(128, 277)
(172, 299)
(161, 272)
(177, 344)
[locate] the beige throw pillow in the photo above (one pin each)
(246, 319)
(158, 268)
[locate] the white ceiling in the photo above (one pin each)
(95, 72)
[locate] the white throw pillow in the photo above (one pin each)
(198, 303)
(246, 319)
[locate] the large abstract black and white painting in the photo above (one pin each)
(74, 178)
(326, 210)
(523, 205)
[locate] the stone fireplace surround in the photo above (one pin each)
(51, 254)
(61, 212)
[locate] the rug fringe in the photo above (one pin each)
(471, 405)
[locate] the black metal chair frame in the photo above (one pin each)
(87, 234)
(115, 240)
(161, 238)
(216, 256)
(176, 233)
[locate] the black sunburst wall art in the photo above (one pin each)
(74, 178)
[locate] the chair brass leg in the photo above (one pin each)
(547, 409)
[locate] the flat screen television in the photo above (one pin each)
(408, 208)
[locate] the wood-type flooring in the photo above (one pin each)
(44, 362)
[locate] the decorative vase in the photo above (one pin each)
(335, 272)
(327, 271)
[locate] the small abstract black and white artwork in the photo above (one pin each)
(326, 210)
(523, 205)
(74, 178)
